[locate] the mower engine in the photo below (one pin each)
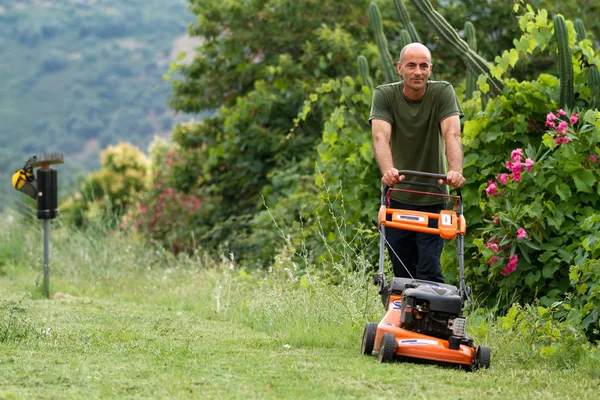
(434, 311)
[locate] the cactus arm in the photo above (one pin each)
(406, 22)
(363, 72)
(382, 44)
(580, 29)
(475, 63)
(565, 62)
(594, 82)
(404, 38)
(471, 80)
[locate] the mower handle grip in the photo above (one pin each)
(422, 174)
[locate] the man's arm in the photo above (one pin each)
(454, 151)
(382, 131)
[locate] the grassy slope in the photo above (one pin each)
(127, 322)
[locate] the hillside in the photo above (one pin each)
(78, 75)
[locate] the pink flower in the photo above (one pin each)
(516, 155)
(550, 117)
(593, 158)
(492, 246)
(521, 233)
(143, 210)
(517, 167)
(550, 124)
(562, 128)
(502, 178)
(561, 112)
(496, 220)
(562, 140)
(511, 266)
(516, 176)
(493, 259)
(492, 189)
(574, 118)
(529, 164)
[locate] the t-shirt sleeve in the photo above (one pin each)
(381, 107)
(449, 104)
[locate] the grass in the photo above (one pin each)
(128, 320)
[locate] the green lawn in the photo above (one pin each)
(128, 322)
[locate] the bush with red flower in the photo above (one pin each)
(535, 208)
(164, 213)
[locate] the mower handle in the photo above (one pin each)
(422, 174)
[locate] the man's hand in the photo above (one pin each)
(391, 177)
(454, 179)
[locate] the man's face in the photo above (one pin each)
(415, 68)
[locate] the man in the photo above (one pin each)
(415, 122)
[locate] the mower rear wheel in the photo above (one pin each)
(387, 349)
(483, 357)
(368, 340)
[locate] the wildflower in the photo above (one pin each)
(529, 164)
(143, 210)
(492, 246)
(511, 266)
(550, 120)
(521, 233)
(516, 155)
(502, 178)
(493, 259)
(496, 220)
(561, 112)
(562, 128)
(593, 158)
(574, 118)
(492, 189)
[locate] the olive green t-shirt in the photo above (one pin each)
(416, 142)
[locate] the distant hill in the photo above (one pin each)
(78, 75)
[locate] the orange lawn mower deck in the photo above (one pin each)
(423, 319)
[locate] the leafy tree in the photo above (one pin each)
(257, 64)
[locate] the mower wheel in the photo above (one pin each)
(387, 349)
(483, 357)
(368, 340)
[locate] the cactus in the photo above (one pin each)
(404, 38)
(386, 59)
(406, 22)
(565, 62)
(594, 82)
(471, 84)
(474, 62)
(363, 72)
(580, 29)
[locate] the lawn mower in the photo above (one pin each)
(423, 319)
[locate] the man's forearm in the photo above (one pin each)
(454, 153)
(383, 154)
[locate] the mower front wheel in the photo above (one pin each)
(387, 349)
(483, 357)
(368, 340)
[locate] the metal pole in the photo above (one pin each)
(47, 258)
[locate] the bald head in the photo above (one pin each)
(415, 49)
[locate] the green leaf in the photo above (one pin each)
(483, 84)
(532, 278)
(563, 191)
(584, 180)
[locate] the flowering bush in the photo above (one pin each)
(535, 208)
(164, 213)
